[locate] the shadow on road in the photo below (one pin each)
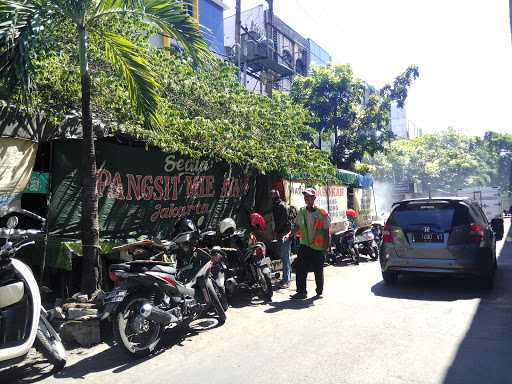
(348, 262)
(291, 304)
(30, 372)
(246, 298)
(485, 354)
(111, 359)
(432, 288)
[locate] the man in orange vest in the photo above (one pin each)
(312, 228)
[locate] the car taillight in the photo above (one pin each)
(476, 233)
(386, 235)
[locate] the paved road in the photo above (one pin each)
(423, 330)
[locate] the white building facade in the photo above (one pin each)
(401, 126)
(271, 53)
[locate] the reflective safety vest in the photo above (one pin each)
(320, 239)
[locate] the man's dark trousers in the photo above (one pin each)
(309, 260)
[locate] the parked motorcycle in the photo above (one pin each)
(344, 246)
(247, 265)
(150, 295)
(377, 229)
(364, 242)
(23, 320)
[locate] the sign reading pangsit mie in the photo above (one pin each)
(144, 192)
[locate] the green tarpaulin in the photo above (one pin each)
(144, 192)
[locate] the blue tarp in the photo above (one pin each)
(354, 179)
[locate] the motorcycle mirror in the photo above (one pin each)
(12, 222)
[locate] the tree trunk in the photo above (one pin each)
(89, 220)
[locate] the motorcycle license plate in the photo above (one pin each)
(115, 296)
(265, 261)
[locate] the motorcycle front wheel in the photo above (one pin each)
(374, 255)
(215, 301)
(265, 284)
(354, 254)
(49, 344)
(223, 297)
(137, 335)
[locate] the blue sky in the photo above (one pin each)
(462, 47)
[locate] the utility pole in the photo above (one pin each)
(270, 36)
(238, 45)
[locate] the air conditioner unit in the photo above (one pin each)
(265, 48)
(229, 51)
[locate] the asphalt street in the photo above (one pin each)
(423, 330)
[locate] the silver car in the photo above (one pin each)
(439, 235)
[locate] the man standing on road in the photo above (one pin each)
(312, 228)
(282, 228)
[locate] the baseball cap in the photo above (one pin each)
(309, 192)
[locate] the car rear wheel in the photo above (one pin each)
(390, 278)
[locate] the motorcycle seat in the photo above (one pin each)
(343, 232)
(144, 266)
(362, 229)
(165, 269)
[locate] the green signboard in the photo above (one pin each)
(144, 192)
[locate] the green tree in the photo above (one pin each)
(496, 149)
(357, 114)
(446, 161)
(22, 23)
(205, 112)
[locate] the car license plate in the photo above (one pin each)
(115, 296)
(428, 237)
(265, 261)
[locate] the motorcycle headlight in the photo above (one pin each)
(366, 236)
(369, 236)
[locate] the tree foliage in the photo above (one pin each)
(448, 160)
(203, 110)
(21, 25)
(357, 113)
(24, 25)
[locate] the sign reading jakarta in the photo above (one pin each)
(144, 192)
